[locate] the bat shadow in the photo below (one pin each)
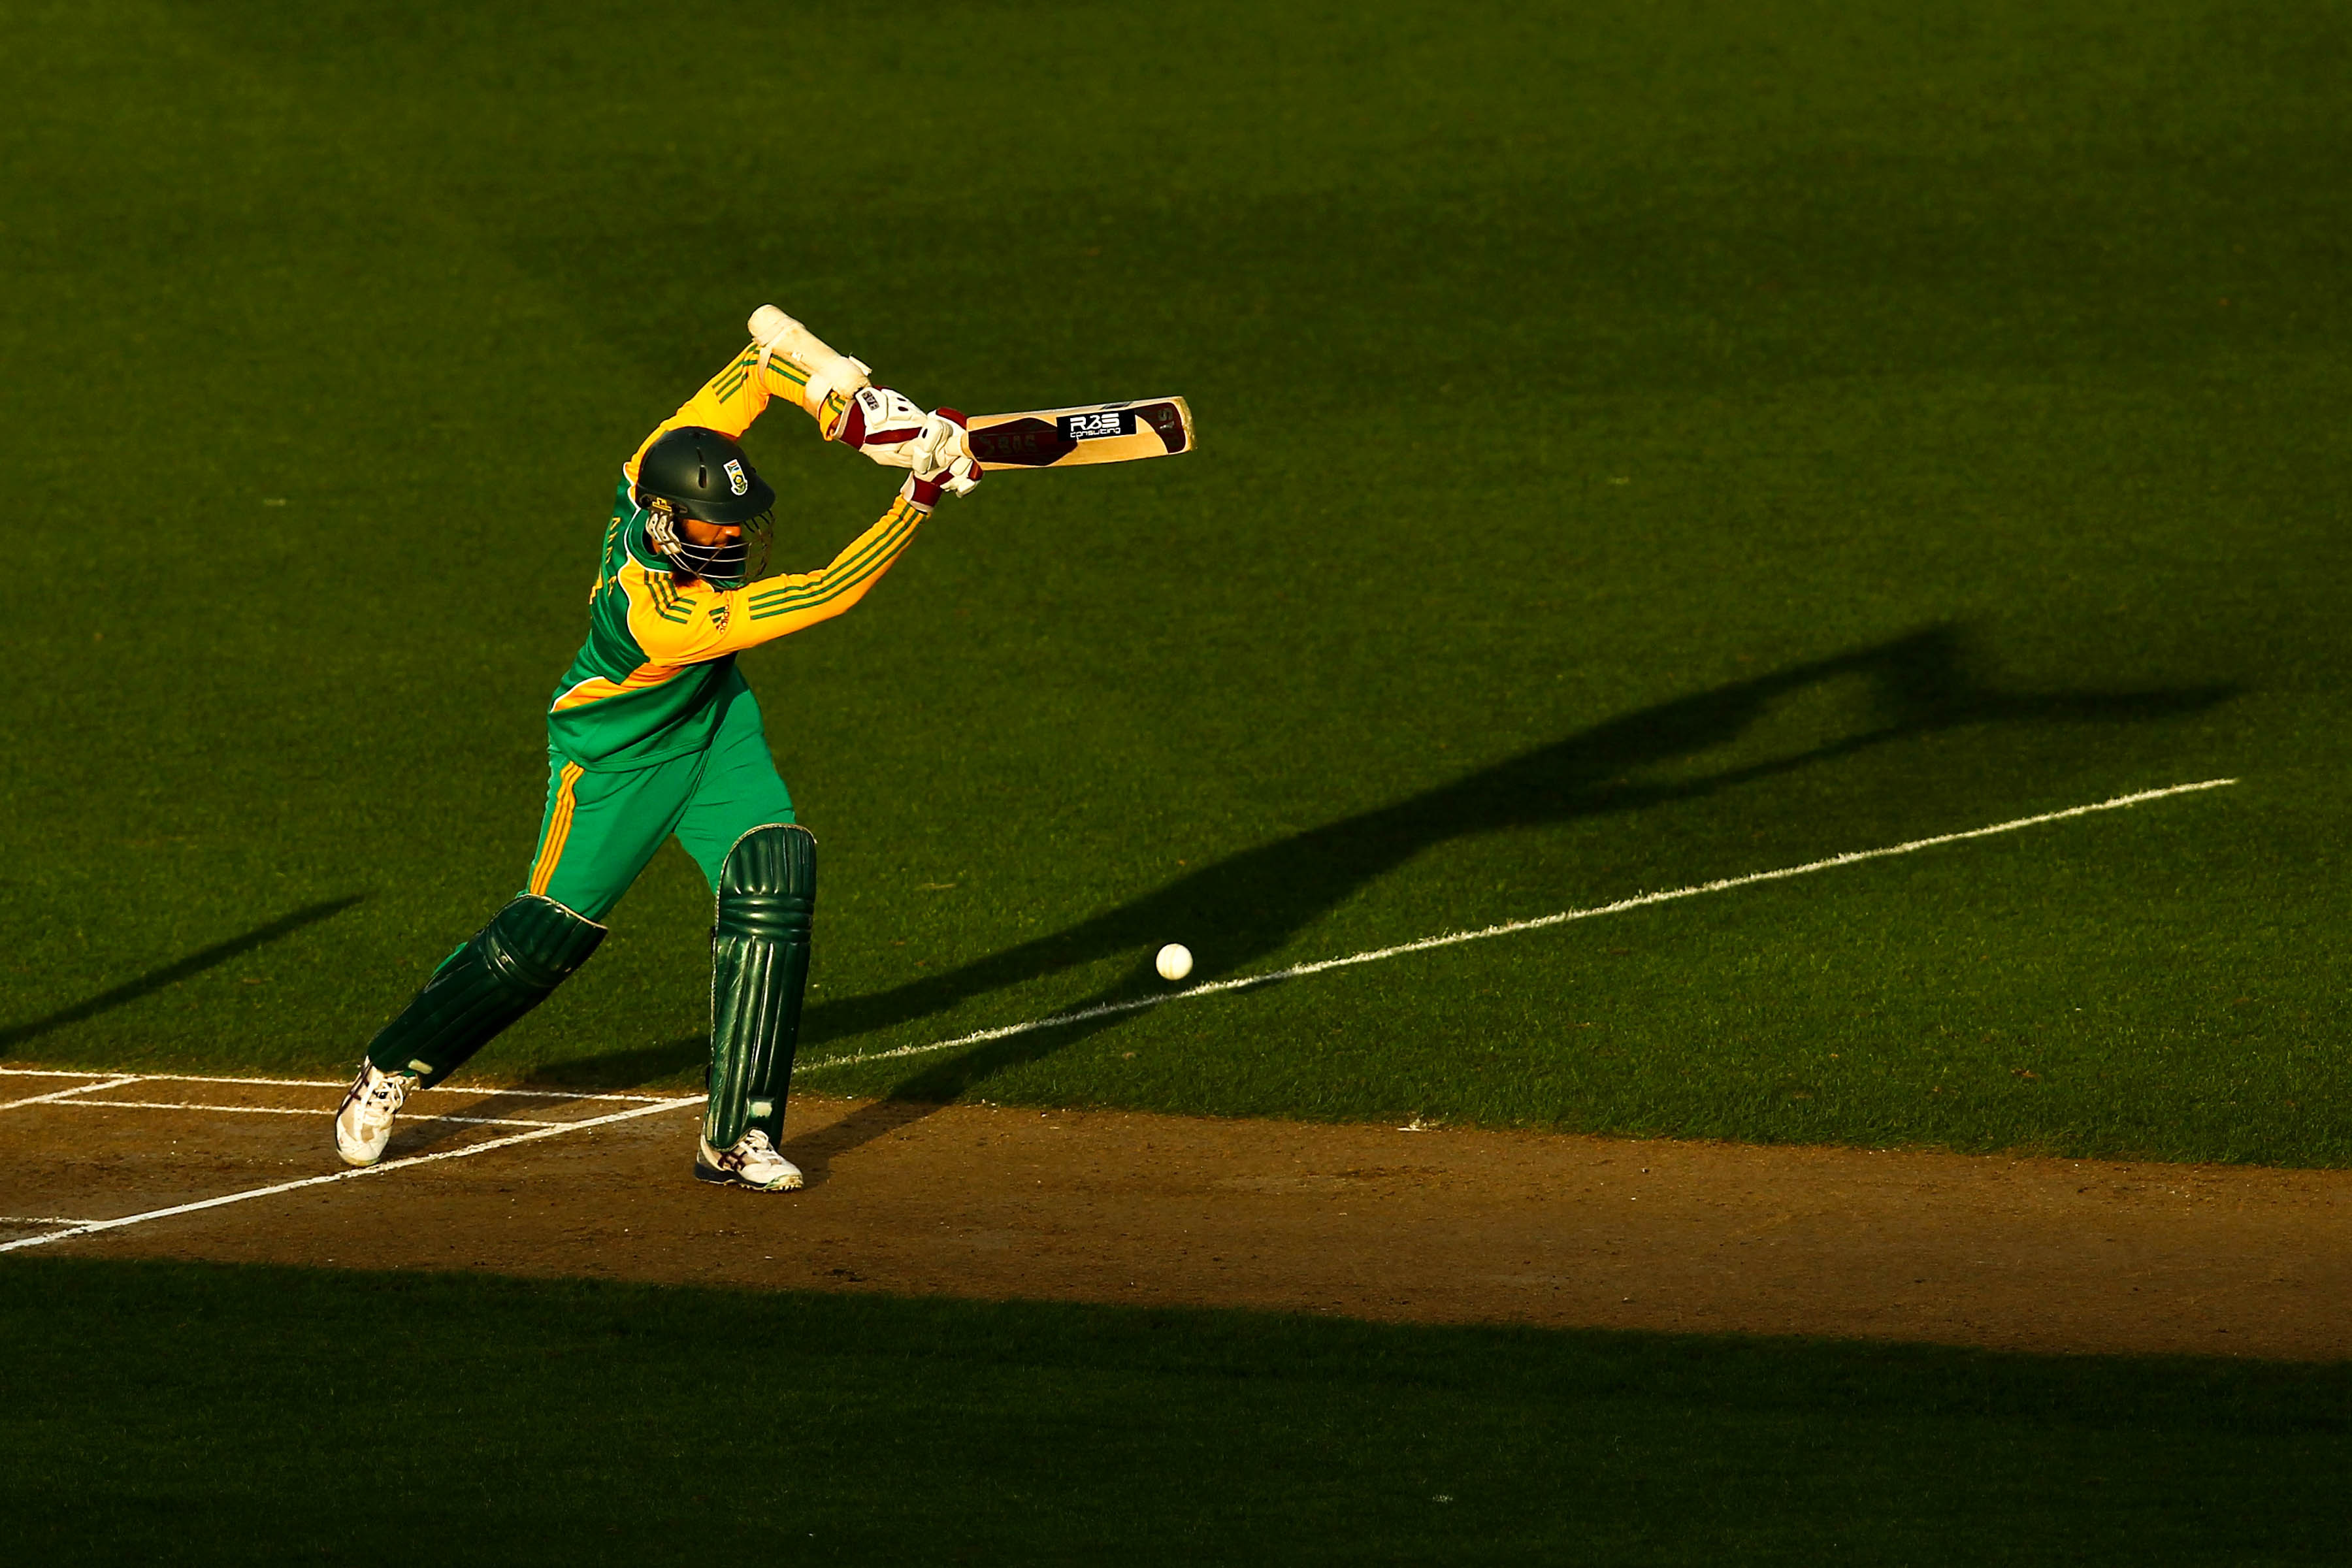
(1256, 901)
(172, 973)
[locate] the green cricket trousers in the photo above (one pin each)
(600, 828)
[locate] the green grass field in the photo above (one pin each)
(1640, 444)
(466, 1420)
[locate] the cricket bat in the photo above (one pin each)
(1067, 437)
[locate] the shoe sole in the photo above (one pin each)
(703, 1172)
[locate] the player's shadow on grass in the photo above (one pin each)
(633, 1069)
(1250, 905)
(195, 963)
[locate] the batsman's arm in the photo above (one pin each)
(833, 389)
(795, 363)
(786, 360)
(716, 624)
(727, 403)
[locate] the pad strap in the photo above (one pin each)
(511, 964)
(758, 970)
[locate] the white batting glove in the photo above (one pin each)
(881, 423)
(942, 454)
(892, 429)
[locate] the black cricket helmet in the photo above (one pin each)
(696, 472)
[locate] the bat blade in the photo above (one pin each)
(1069, 437)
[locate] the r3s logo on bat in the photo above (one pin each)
(1089, 427)
(1067, 437)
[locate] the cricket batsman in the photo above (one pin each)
(653, 732)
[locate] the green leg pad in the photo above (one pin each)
(526, 950)
(758, 968)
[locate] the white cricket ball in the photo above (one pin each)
(1175, 962)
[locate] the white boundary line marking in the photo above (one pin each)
(120, 1078)
(1509, 928)
(67, 1093)
(91, 1227)
(297, 1111)
(37, 1219)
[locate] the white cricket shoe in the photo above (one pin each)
(753, 1162)
(364, 1125)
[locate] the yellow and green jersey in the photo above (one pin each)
(652, 679)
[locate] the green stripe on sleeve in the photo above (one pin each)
(833, 590)
(887, 544)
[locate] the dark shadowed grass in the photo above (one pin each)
(228, 1415)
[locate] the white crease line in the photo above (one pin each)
(92, 1228)
(184, 1078)
(317, 1110)
(318, 1083)
(67, 1093)
(1452, 939)
(37, 1219)
(483, 1090)
(537, 1093)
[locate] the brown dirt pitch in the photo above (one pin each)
(1421, 1225)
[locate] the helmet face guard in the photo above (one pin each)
(729, 564)
(699, 473)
